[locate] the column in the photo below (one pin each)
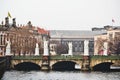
(46, 51)
(86, 48)
(70, 48)
(105, 48)
(8, 48)
(37, 50)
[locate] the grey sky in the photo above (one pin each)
(63, 14)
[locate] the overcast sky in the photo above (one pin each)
(63, 14)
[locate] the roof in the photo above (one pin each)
(40, 30)
(74, 33)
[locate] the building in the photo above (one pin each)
(62, 37)
(23, 39)
(112, 38)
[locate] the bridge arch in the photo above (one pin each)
(64, 66)
(103, 66)
(15, 63)
(27, 66)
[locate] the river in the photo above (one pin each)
(56, 75)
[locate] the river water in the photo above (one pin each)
(56, 75)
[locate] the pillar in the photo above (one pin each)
(46, 50)
(86, 48)
(37, 50)
(70, 48)
(86, 57)
(46, 57)
(8, 48)
(105, 48)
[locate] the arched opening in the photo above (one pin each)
(27, 66)
(64, 66)
(105, 66)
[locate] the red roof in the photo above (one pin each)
(42, 31)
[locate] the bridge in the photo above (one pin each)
(65, 62)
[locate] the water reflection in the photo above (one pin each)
(56, 75)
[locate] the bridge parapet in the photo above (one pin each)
(27, 58)
(61, 57)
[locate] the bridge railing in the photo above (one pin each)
(56, 57)
(27, 57)
(61, 57)
(74, 57)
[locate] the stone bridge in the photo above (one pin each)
(68, 62)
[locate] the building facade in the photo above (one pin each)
(112, 38)
(62, 37)
(23, 39)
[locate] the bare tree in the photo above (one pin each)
(114, 44)
(100, 45)
(62, 49)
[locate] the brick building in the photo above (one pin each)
(23, 38)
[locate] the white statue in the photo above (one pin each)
(37, 50)
(46, 51)
(86, 48)
(70, 48)
(105, 49)
(8, 48)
